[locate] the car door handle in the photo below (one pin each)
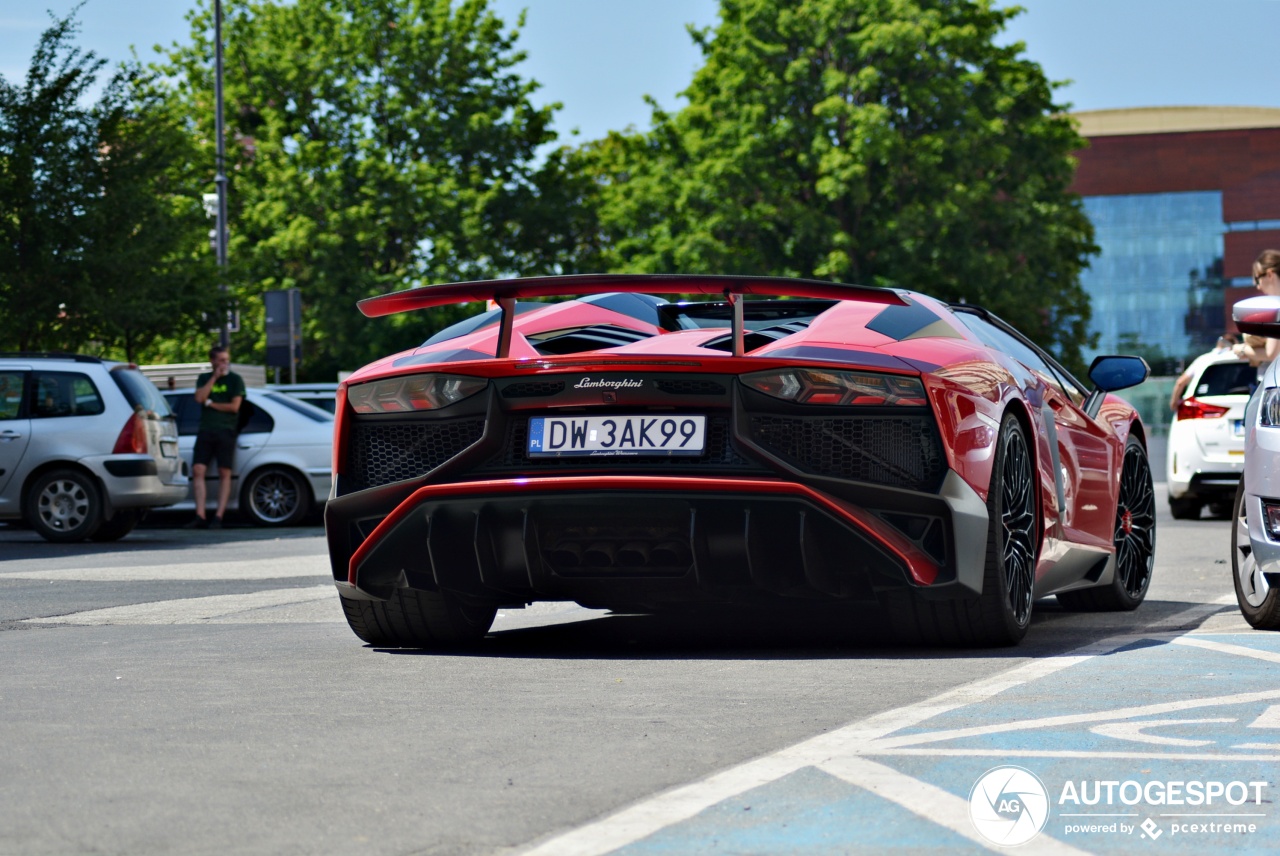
(244, 446)
(10, 435)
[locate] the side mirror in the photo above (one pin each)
(1110, 373)
(1258, 316)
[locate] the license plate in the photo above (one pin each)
(559, 436)
(168, 449)
(1237, 427)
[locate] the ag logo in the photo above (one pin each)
(1009, 806)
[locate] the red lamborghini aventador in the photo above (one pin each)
(786, 441)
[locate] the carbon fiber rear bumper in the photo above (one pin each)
(647, 540)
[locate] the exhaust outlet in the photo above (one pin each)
(599, 555)
(670, 554)
(567, 554)
(633, 554)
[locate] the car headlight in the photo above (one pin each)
(1269, 409)
(412, 392)
(820, 386)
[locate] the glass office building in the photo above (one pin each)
(1156, 286)
(1182, 200)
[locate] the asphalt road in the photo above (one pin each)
(199, 692)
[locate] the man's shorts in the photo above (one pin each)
(217, 446)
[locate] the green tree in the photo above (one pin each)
(888, 142)
(97, 233)
(374, 145)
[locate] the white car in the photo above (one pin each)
(322, 395)
(1206, 439)
(284, 456)
(1255, 536)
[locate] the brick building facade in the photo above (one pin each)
(1182, 200)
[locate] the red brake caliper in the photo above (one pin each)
(1126, 521)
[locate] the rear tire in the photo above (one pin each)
(1259, 602)
(119, 525)
(1134, 536)
(418, 619)
(1185, 508)
(64, 506)
(275, 496)
(1001, 614)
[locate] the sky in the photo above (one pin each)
(599, 58)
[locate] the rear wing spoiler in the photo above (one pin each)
(505, 292)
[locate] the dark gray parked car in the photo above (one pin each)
(86, 446)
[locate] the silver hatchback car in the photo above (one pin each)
(1255, 536)
(86, 446)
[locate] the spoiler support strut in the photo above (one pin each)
(739, 322)
(505, 325)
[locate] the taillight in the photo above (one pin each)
(133, 437)
(412, 392)
(819, 386)
(1191, 408)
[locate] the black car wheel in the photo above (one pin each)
(1185, 508)
(119, 525)
(1134, 538)
(1002, 613)
(64, 505)
(275, 496)
(1259, 602)
(1012, 542)
(418, 619)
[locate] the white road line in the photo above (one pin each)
(928, 801)
(935, 752)
(658, 812)
(275, 606)
(1228, 648)
(1136, 731)
(254, 569)
(1133, 712)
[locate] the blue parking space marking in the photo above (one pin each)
(1153, 670)
(1180, 750)
(806, 812)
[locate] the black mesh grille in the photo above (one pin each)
(719, 454)
(385, 452)
(533, 389)
(691, 387)
(901, 451)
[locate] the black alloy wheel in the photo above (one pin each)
(1001, 614)
(1134, 536)
(1018, 539)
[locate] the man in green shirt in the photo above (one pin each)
(220, 392)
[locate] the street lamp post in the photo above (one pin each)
(220, 179)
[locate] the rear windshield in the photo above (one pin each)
(141, 392)
(315, 414)
(1227, 379)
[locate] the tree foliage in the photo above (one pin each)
(98, 234)
(374, 145)
(888, 142)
